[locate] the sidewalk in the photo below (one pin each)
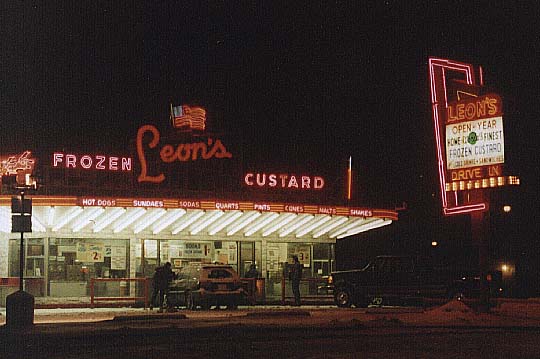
(508, 313)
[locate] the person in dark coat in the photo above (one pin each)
(161, 280)
(295, 275)
(252, 272)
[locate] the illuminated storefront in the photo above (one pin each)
(121, 215)
(78, 238)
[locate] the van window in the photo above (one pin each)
(219, 273)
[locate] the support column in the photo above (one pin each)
(132, 264)
(4, 256)
(263, 266)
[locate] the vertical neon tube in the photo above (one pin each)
(349, 179)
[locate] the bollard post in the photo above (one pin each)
(19, 310)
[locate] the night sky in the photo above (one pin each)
(298, 84)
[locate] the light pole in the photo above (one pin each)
(20, 305)
(21, 252)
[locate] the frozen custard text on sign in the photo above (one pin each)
(475, 143)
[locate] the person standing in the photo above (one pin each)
(295, 275)
(162, 278)
(252, 272)
(155, 289)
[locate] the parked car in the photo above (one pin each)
(206, 285)
(398, 279)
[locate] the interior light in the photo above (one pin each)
(365, 227)
(327, 228)
(212, 217)
(354, 223)
(385, 222)
(312, 226)
(85, 218)
(152, 217)
(66, 218)
(263, 222)
(108, 218)
(130, 217)
(232, 216)
(301, 220)
(170, 218)
(50, 216)
(193, 216)
(279, 223)
(243, 222)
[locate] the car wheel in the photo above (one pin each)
(343, 298)
(190, 303)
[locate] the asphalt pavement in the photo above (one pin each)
(452, 330)
(255, 342)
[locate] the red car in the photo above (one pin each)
(206, 285)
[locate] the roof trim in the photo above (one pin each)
(212, 204)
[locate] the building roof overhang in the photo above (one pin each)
(109, 217)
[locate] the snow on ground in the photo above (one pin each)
(522, 313)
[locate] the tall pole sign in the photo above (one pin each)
(469, 134)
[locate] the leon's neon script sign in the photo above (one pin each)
(182, 152)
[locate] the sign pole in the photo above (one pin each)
(480, 234)
(21, 254)
(20, 305)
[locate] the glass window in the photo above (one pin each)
(34, 257)
(73, 262)
(219, 273)
(322, 259)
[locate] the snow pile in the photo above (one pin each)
(453, 312)
(454, 306)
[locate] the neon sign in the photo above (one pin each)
(470, 153)
(482, 107)
(148, 203)
(263, 207)
(88, 162)
(14, 164)
(227, 205)
(294, 208)
(96, 201)
(283, 180)
(438, 69)
(360, 212)
(189, 204)
(327, 210)
(175, 153)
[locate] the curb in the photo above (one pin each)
(285, 313)
(126, 318)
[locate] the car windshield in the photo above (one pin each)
(189, 272)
